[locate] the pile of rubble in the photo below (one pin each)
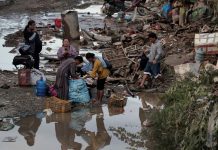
(5, 2)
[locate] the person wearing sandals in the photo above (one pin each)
(99, 71)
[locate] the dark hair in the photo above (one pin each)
(31, 22)
(90, 55)
(79, 58)
(66, 39)
(152, 35)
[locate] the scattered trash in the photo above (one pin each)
(209, 67)
(215, 79)
(147, 123)
(184, 69)
(6, 126)
(48, 112)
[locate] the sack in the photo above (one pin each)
(78, 91)
(26, 60)
(35, 76)
(26, 50)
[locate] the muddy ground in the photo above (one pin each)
(15, 100)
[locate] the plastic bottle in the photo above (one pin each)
(41, 87)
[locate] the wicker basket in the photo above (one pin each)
(117, 101)
(57, 105)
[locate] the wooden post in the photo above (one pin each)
(70, 24)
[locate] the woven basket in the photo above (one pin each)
(58, 105)
(117, 101)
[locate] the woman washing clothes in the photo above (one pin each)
(66, 51)
(67, 70)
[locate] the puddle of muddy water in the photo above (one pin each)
(86, 128)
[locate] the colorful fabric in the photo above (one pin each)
(166, 9)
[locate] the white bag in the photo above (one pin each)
(36, 75)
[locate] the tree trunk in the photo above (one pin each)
(70, 25)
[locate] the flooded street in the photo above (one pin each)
(84, 128)
(88, 18)
(150, 84)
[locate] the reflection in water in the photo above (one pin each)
(86, 128)
(28, 128)
(70, 125)
(137, 140)
(65, 135)
(100, 139)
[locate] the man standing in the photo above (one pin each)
(155, 52)
(32, 38)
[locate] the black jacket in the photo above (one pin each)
(33, 39)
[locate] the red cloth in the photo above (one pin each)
(58, 23)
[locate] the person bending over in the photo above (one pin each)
(67, 70)
(100, 72)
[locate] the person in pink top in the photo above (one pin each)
(67, 51)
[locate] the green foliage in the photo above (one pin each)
(183, 123)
